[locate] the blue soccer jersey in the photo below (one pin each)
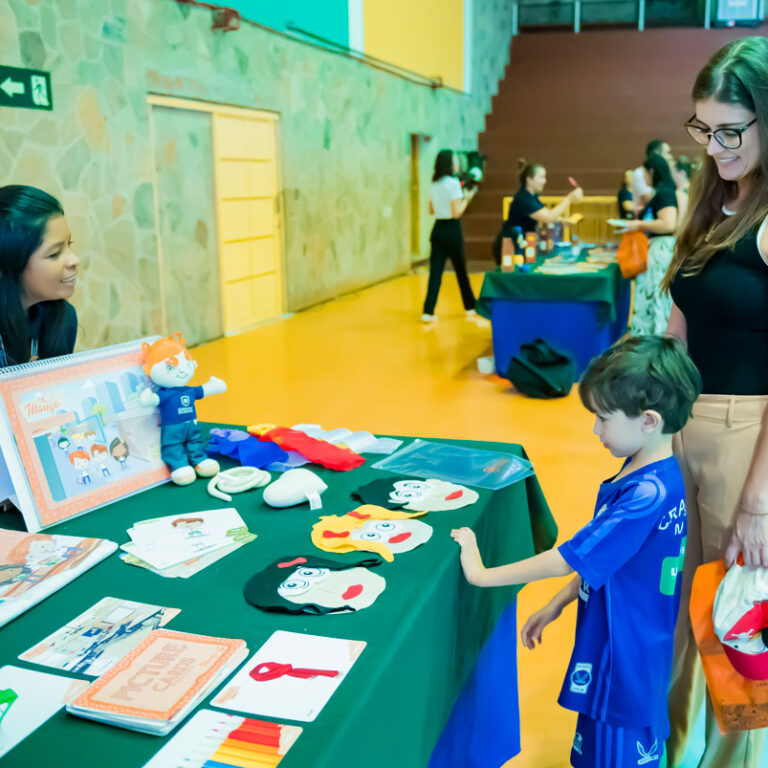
(629, 558)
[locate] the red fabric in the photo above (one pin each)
(317, 451)
(271, 670)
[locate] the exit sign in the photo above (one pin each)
(25, 88)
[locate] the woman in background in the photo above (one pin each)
(447, 203)
(658, 220)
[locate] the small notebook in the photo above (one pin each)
(73, 434)
(159, 682)
(97, 639)
(292, 676)
(226, 741)
(34, 565)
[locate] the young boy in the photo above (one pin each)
(627, 559)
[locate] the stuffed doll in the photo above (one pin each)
(170, 366)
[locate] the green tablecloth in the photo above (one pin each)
(424, 632)
(601, 286)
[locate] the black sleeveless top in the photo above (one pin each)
(726, 313)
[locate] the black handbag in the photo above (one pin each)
(540, 370)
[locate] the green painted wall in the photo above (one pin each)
(344, 152)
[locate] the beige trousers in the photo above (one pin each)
(714, 450)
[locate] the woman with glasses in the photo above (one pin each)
(719, 284)
(658, 220)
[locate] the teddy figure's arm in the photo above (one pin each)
(148, 398)
(214, 386)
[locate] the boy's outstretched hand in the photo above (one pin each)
(471, 562)
(530, 634)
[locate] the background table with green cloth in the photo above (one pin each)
(580, 313)
(423, 633)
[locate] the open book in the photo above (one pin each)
(73, 435)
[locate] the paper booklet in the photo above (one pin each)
(39, 695)
(226, 741)
(97, 639)
(292, 676)
(34, 565)
(155, 686)
(73, 435)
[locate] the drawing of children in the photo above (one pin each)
(118, 449)
(100, 453)
(80, 461)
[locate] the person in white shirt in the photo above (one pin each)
(447, 203)
(641, 191)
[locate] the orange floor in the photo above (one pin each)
(365, 361)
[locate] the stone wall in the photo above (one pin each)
(344, 152)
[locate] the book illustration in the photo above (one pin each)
(33, 565)
(292, 676)
(226, 741)
(98, 638)
(80, 431)
(38, 696)
(159, 677)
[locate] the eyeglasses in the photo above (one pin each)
(728, 138)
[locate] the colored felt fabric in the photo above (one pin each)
(317, 451)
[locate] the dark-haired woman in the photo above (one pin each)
(719, 283)
(526, 210)
(447, 203)
(38, 273)
(658, 220)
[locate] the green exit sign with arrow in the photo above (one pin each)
(25, 88)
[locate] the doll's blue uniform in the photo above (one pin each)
(180, 442)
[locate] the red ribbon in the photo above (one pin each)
(271, 670)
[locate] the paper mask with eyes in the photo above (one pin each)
(309, 584)
(417, 495)
(386, 532)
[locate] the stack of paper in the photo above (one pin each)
(181, 545)
(155, 686)
(226, 741)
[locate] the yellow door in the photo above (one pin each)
(247, 198)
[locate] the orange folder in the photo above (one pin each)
(739, 704)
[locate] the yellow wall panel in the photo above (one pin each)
(262, 179)
(263, 255)
(267, 296)
(425, 36)
(261, 217)
(230, 138)
(233, 179)
(259, 140)
(235, 260)
(238, 305)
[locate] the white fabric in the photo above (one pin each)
(639, 186)
(443, 191)
(738, 592)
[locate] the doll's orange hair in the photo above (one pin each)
(164, 350)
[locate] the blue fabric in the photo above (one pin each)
(181, 445)
(572, 326)
(248, 450)
(177, 404)
(483, 730)
(601, 745)
(629, 558)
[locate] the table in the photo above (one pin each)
(424, 633)
(582, 314)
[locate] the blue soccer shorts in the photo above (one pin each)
(601, 745)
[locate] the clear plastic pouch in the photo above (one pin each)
(457, 464)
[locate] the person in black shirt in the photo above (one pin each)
(626, 203)
(719, 284)
(38, 273)
(526, 210)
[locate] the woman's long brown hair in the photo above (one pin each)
(736, 74)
